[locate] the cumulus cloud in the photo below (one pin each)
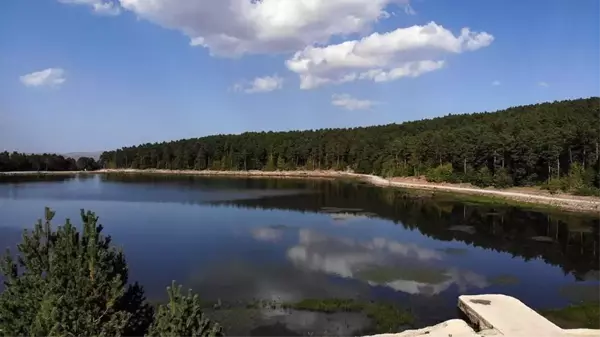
(48, 77)
(495, 83)
(348, 102)
(404, 52)
(103, 7)
(306, 28)
(236, 27)
(260, 84)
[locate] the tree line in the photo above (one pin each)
(15, 161)
(523, 145)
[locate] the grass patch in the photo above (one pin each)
(326, 305)
(478, 200)
(385, 275)
(386, 317)
(585, 315)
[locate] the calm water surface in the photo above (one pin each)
(242, 239)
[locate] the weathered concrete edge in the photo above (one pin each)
(510, 305)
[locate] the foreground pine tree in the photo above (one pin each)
(76, 284)
(182, 317)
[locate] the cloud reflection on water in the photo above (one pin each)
(404, 267)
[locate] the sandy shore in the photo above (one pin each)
(568, 202)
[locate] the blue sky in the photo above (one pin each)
(112, 73)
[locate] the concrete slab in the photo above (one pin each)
(453, 327)
(507, 315)
(495, 315)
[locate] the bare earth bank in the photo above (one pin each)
(527, 195)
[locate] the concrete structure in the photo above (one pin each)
(495, 315)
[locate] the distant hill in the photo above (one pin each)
(521, 145)
(77, 155)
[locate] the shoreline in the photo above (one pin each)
(565, 202)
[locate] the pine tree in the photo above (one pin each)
(182, 316)
(76, 284)
(270, 166)
(64, 282)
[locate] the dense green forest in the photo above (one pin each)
(552, 143)
(44, 162)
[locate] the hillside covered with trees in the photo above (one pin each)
(521, 145)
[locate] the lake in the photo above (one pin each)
(235, 240)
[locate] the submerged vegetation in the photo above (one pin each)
(382, 275)
(584, 315)
(488, 200)
(551, 144)
(65, 282)
(386, 317)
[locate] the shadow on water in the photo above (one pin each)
(568, 240)
(180, 189)
(277, 329)
(32, 178)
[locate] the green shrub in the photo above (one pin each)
(502, 179)
(442, 173)
(575, 179)
(482, 177)
(64, 282)
(270, 166)
(553, 185)
(587, 191)
(388, 168)
(590, 176)
(281, 165)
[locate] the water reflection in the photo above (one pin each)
(404, 267)
(237, 280)
(183, 189)
(563, 239)
(287, 240)
(269, 234)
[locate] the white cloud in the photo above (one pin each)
(404, 52)
(348, 102)
(543, 84)
(47, 77)
(495, 83)
(103, 7)
(409, 10)
(236, 27)
(260, 84)
(107, 8)
(306, 27)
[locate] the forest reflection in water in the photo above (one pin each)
(567, 240)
